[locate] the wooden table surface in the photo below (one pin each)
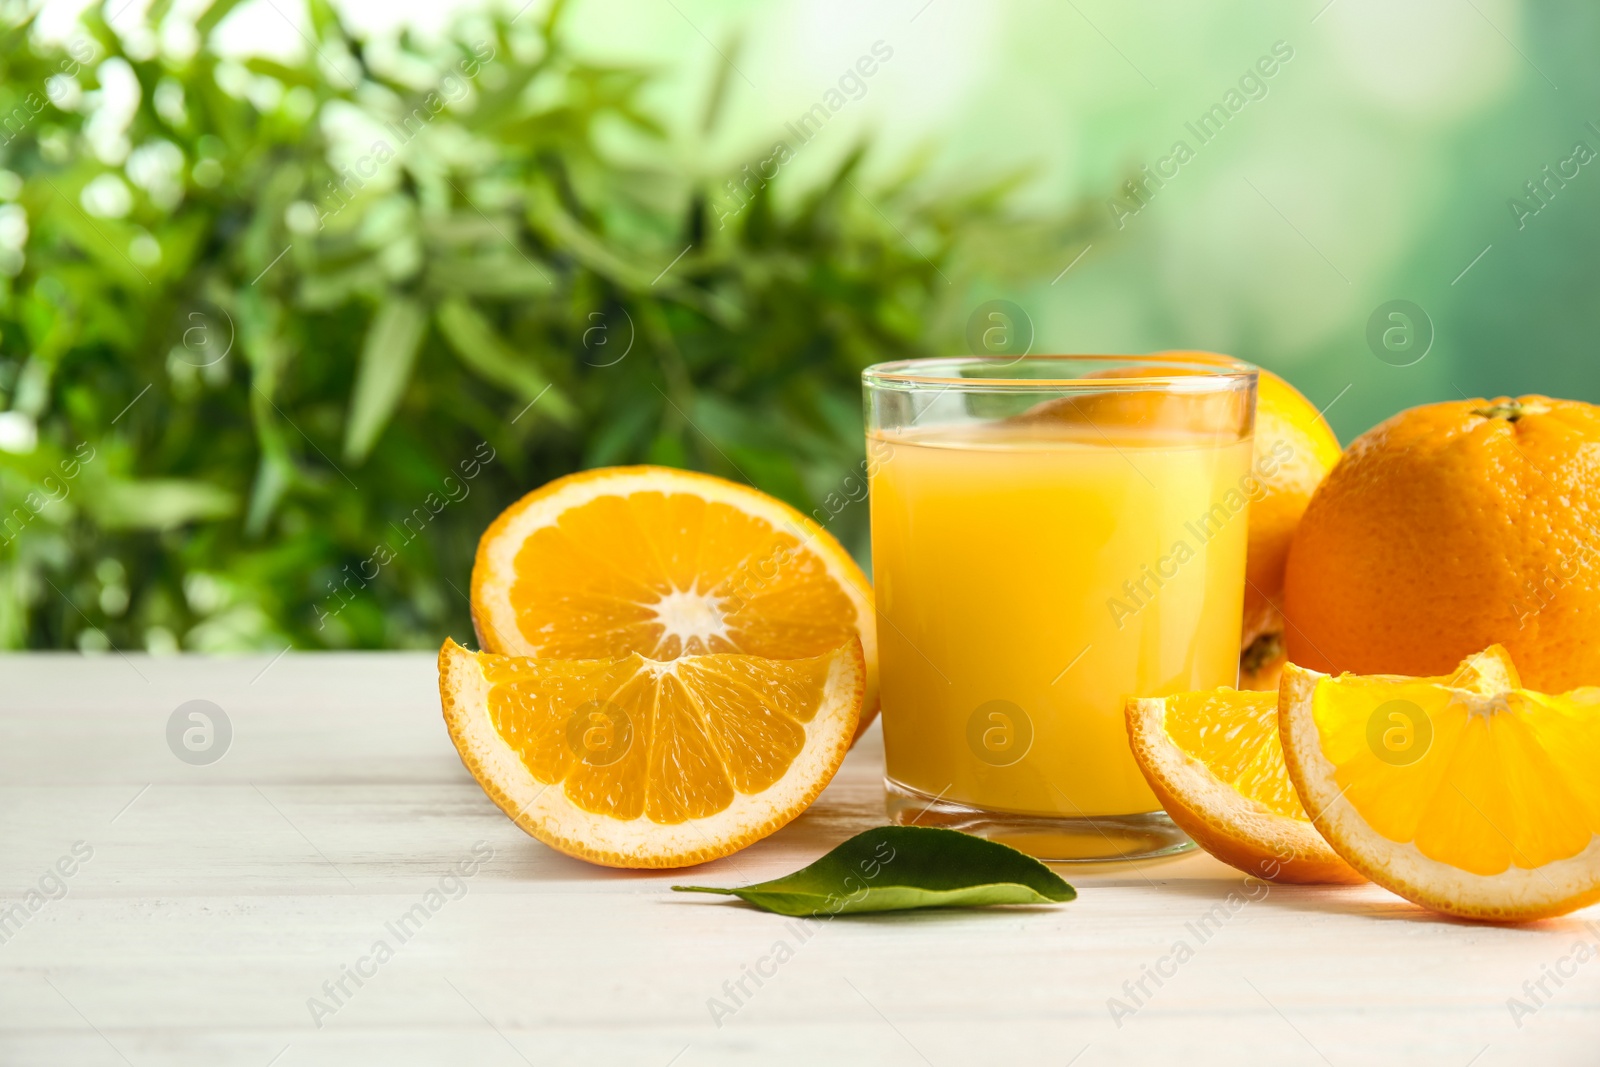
(158, 911)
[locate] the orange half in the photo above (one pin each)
(666, 563)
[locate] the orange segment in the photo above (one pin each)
(1234, 733)
(636, 762)
(684, 778)
(666, 563)
(1477, 801)
(756, 711)
(1213, 759)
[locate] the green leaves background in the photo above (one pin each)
(288, 307)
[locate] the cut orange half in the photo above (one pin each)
(666, 563)
(1214, 760)
(633, 762)
(1477, 802)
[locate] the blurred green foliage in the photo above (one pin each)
(277, 341)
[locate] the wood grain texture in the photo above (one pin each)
(218, 899)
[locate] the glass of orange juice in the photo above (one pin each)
(1051, 536)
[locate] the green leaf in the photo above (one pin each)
(719, 84)
(896, 868)
(284, 73)
(474, 339)
(323, 19)
(387, 357)
(157, 503)
(214, 16)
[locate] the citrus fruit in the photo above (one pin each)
(1449, 527)
(1214, 760)
(666, 563)
(636, 762)
(1476, 803)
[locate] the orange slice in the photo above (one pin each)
(1214, 760)
(1477, 802)
(666, 563)
(633, 762)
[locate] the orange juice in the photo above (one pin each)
(1029, 578)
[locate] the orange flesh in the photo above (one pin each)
(1235, 734)
(672, 575)
(1508, 780)
(690, 734)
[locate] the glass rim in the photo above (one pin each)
(1181, 375)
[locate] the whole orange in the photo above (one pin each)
(1449, 528)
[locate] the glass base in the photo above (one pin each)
(1051, 838)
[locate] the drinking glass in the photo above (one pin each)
(1051, 535)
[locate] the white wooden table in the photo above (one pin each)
(216, 900)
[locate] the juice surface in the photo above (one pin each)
(1028, 580)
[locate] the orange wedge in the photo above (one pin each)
(632, 762)
(666, 563)
(1477, 802)
(1214, 760)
